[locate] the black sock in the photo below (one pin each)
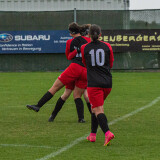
(80, 108)
(89, 107)
(58, 106)
(44, 99)
(102, 120)
(94, 123)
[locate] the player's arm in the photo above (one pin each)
(111, 55)
(82, 52)
(67, 51)
(72, 54)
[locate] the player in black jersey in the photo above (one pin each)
(73, 75)
(75, 58)
(98, 58)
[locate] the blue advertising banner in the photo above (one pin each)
(33, 41)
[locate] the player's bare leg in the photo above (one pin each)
(56, 86)
(85, 95)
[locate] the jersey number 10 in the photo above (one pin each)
(97, 57)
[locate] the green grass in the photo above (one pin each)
(136, 137)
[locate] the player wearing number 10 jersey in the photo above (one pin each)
(98, 58)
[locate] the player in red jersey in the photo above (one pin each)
(84, 30)
(75, 74)
(98, 58)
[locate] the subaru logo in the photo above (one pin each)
(5, 37)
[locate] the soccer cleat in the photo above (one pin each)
(81, 121)
(92, 137)
(33, 107)
(51, 118)
(108, 137)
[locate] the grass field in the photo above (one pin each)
(27, 135)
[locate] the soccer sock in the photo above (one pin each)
(47, 96)
(94, 123)
(58, 106)
(89, 107)
(102, 120)
(80, 108)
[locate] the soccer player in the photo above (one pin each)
(84, 30)
(98, 58)
(75, 74)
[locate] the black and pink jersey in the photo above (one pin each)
(98, 58)
(73, 51)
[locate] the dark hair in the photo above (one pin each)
(94, 32)
(84, 29)
(74, 28)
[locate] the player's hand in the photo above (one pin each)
(78, 50)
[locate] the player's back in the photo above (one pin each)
(76, 43)
(97, 58)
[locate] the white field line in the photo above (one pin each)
(78, 140)
(25, 145)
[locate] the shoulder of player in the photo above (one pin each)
(84, 45)
(68, 43)
(87, 39)
(70, 40)
(105, 43)
(76, 39)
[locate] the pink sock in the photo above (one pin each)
(92, 134)
(107, 133)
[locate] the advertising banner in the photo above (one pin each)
(132, 40)
(13, 42)
(33, 41)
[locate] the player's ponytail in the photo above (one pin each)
(94, 32)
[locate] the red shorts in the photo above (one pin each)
(74, 75)
(70, 86)
(97, 95)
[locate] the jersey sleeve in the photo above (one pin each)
(82, 52)
(72, 54)
(111, 55)
(68, 43)
(68, 52)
